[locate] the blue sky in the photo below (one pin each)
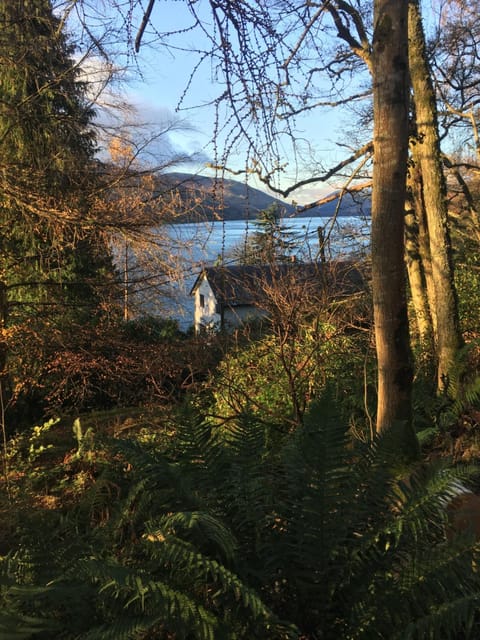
(165, 76)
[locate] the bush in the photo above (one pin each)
(276, 380)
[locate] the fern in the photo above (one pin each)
(139, 594)
(121, 628)
(342, 534)
(328, 534)
(231, 537)
(463, 385)
(15, 624)
(202, 528)
(203, 571)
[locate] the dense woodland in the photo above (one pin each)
(297, 477)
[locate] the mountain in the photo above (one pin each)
(223, 198)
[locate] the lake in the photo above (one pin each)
(212, 240)
(195, 245)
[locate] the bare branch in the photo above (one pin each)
(329, 103)
(143, 25)
(367, 149)
(360, 47)
(336, 195)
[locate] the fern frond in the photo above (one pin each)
(346, 532)
(121, 628)
(158, 602)
(453, 618)
(204, 530)
(464, 385)
(156, 485)
(203, 570)
(15, 626)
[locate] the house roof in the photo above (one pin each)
(237, 285)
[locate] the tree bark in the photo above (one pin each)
(391, 106)
(418, 259)
(428, 154)
(416, 278)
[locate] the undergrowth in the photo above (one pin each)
(216, 534)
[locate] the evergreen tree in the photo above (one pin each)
(47, 145)
(51, 262)
(272, 242)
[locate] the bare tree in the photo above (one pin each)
(304, 313)
(258, 48)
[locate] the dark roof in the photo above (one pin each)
(237, 285)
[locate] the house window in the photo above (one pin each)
(202, 300)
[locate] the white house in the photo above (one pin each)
(226, 296)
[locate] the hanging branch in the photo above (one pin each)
(143, 25)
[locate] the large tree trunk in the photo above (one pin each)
(391, 105)
(427, 152)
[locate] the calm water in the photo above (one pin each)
(210, 241)
(217, 239)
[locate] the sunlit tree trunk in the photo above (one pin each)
(448, 336)
(423, 239)
(391, 102)
(418, 259)
(416, 276)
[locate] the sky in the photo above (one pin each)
(157, 80)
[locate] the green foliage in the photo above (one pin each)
(26, 449)
(150, 329)
(331, 537)
(467, 283)
(47, 147)
(137, 553)
(270, 377)
(228, 535)
(271, 242)
(252, 379)
(54, 263)
(15, 624)
(437, 415)
(465, 381)
(37, 446)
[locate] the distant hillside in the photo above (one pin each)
(210, 198)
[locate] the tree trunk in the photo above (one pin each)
(391, 105)
(428, 153)
(423, 240)
(416, 278)
(419, 263)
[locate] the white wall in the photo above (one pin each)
(206, 316)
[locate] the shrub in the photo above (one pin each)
(275, 380)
